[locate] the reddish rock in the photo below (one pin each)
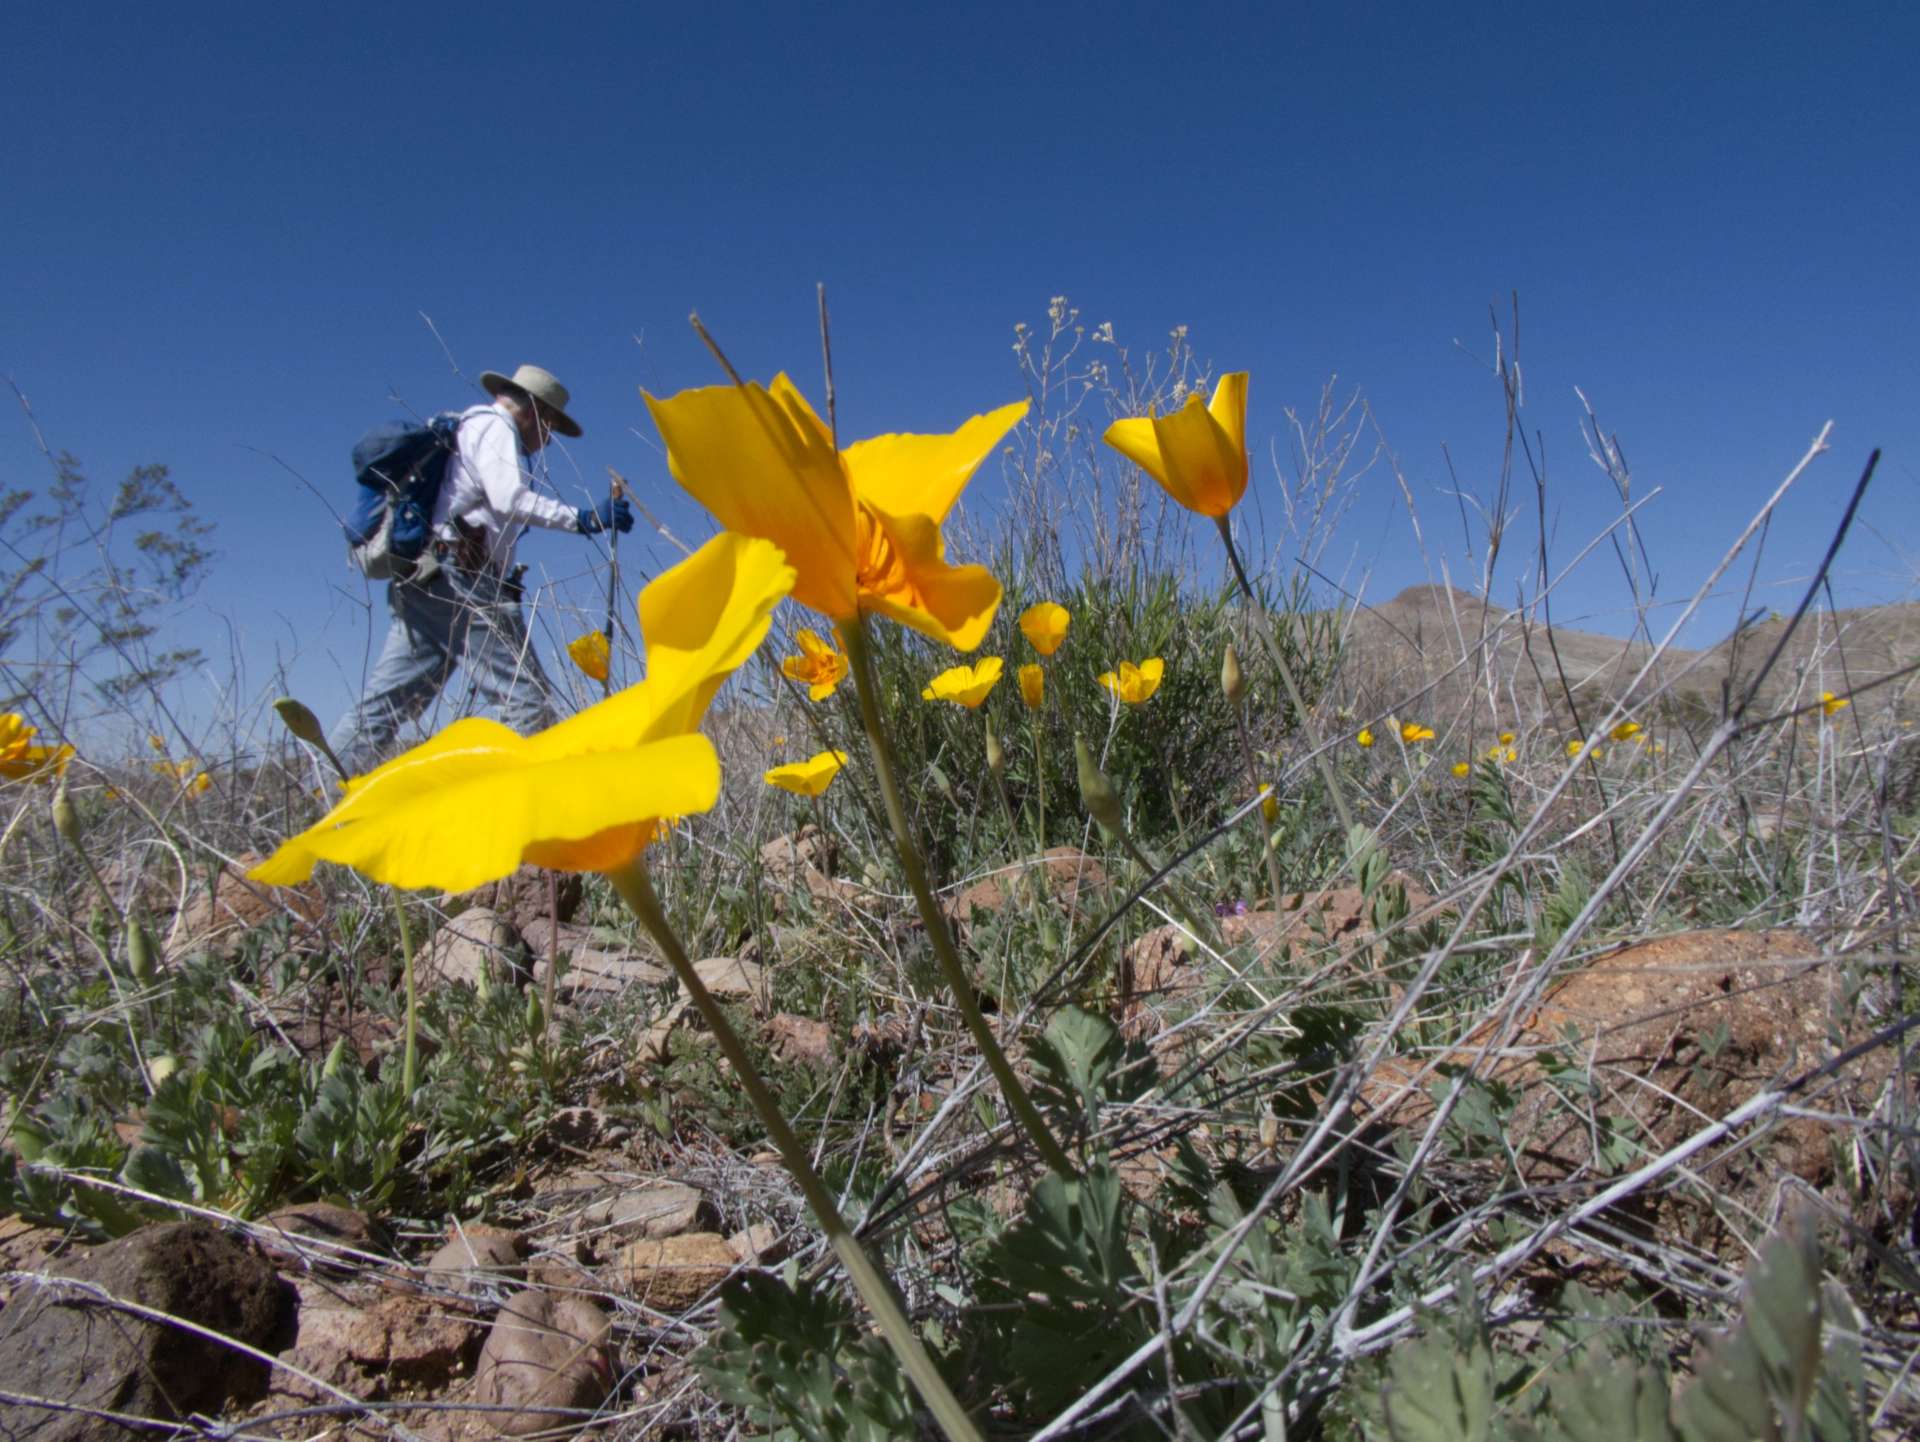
(800, 1040)
(547, 1360)
(66, 1344)
(672, 1274)
(521, 898)
(238, 905)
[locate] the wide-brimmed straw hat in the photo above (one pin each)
(543, 386)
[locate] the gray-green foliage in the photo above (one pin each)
(1771, 1377)
(791, 1357)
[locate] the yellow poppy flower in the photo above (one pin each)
(590, 654)
(200, 784)
(1199, 453)
(820, 667)
(965, 685)
(1506, 738)
(1365, 738)
(477, 800)
(1513, 755)
(810, 777)
(35, 763)
(1573, 746)
(1033, 686)
(1626, 730)
(1461, 768)
(1830, 703)
(1134, 684)
(15, 736)
(1045, 626)
(861, 528)
(1412, 731)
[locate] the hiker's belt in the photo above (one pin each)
(465, 556)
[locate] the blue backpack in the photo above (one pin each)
(399, 466)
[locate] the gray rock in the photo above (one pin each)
(607, 974)
(316, 1234)
(72, 1346)
(478, 1260)
(760, 1245)
(658, 1209)
(732, 979)
(546, 1358)
(478, 937)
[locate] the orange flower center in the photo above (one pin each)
(881, 571)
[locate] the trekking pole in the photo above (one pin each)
(613, 580)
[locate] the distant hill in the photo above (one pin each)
(1431, 647)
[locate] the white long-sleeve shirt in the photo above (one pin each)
(488, 485)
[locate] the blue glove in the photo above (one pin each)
(594, 519)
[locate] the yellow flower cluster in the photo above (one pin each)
(819, 667)
(1134, 684)
(591, 654)
(810, 777)
(965, 685)
(21, 760)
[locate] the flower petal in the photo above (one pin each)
(909, 475)
(764, 465)
(1198, 453)
(702, 619)
(480, 829)
(954, 604)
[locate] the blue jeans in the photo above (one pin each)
(457, 618)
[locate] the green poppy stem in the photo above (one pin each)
(1040, 813)
(636, 889)
(853, 640)
(1260, 624)
(410, 1066)
(1266, 830)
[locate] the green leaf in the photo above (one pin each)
(1608, 1400)
(1783, 1315)
(1440, 1392)
(1727, 1399)
(793, 1356)
(1082, 1062)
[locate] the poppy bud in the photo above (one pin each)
(1096, 791)
(300, 721)
(162, 1067)
(1233, 680)
(66, 820)
(536, 1014)
(996, 753)
(140, 950)
(334, 1058)
(305, 726)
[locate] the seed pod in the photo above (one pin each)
(1233, 680)
(300, 721)
(1096, 791)
(66, 820)
(996, 753)
(140, 950)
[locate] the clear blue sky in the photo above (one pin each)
(221, 225)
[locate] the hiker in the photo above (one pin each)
(460, 603)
